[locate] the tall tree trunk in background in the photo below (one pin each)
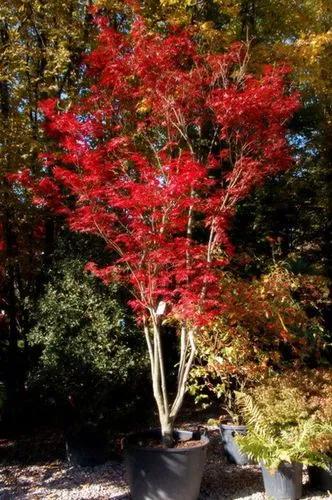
(13, 371)
(10, 285)
(327, 233)
(248, 19)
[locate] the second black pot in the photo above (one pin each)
(319, 478)
(165, 473)
(86, 447)
(285, 482)
(233, 453)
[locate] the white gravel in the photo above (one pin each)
(56, 480)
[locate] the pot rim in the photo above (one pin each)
(233, 427)
(284, 463)
(203, 441)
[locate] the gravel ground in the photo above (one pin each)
(58, 481)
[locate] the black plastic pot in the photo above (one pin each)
(86, 447)
(231, 448)
(165, 473)
(285, 482)
(319, 478)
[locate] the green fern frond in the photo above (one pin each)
(286, 436)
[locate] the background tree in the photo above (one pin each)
(40, 44)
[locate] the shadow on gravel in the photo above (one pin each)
(40, 481)
(45, 445)
(222, 480)
(231, 482)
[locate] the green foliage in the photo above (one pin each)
(283, 423)
(268, 324)
(90, 348)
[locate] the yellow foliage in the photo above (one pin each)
(313, 51)
(46, 37)
(40, 47)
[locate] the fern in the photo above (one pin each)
(288, 435)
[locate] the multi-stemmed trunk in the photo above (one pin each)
(168, 410)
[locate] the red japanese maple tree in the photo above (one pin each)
(156, 155)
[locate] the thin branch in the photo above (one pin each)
(160, 360)
(149, 344)
(184, 342)
(182, 386)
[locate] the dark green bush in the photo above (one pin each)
(91, 355)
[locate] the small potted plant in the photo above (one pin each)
(231, 425)
(214, 377)
(155, 156)
(207, 385)
(280, 431)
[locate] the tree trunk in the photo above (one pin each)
(12, 364)
(167, 432)
(12, 370)
(167, 412)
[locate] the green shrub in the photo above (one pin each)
(91, 355)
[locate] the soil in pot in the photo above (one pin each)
(232, 451)
(285, 482)
(86, 447)
(157, 473)
(320, 479)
